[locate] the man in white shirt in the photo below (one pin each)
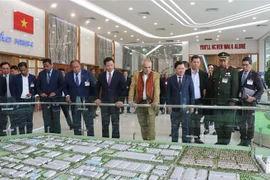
(23, 90)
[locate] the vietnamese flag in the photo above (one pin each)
(23, 22)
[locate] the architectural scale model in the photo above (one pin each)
(67, 158)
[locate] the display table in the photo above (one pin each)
(262, 129)
(60, 157)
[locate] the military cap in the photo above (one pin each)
(223, 55)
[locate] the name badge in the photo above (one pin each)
(87, 83)
(32, 85)
(224, 80)
(166, 83)
(250, 82)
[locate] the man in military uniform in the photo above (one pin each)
(226, 85)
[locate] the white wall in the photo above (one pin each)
(250, 47)
(118, 55)
(87, 46)
(38, 38)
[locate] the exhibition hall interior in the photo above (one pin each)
(135, 89)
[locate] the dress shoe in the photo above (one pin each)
(206, 132)
(211, 124)
(96, 115)
(214, 133)
(70, 127)
(170, 135)
(128, 111)
(219, 143)
(198, 141)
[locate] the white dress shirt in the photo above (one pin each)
(196, 81)
(145, 77)
(25, 87)
(107, 75)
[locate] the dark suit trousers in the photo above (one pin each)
(51, 116)
(4, 117)
(246, 123)
(65, 109)
(3, 122)
(108, 113)
(24, 117)
(180, 116)
(195, 126)
(88, 116)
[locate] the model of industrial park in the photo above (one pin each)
(66, 158)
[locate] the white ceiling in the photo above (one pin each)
(196, 16)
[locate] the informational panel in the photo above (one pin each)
(22, 29)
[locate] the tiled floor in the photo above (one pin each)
(130, 129)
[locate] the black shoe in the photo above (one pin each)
(170, 135)
(128, 112)
(211, 124)
(206, 132)
(219, 143)
(70, 127)
(198, 141)
(96, 115)
(214, 133)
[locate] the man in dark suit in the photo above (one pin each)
(199, 79)
(23, 90)
(8, 98)
(180, 91)
(3, 90)
(50, 84)
(128, 82)
(113, 88)
(251, 89)
(65, 107)
(80, 88)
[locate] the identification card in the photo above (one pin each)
(225, 80)
(32, 85)
(250, 82)
(87, 83)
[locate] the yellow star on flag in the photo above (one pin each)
(24, 23)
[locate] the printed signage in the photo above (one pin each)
(222, 46)
(17, 41)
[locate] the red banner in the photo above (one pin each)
(23, 22)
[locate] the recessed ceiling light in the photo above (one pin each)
(192, 3)
(54, 5)
(244, 30)
(117, 26)
(217, 39)
(230, 1)
(130, 8)
(106, 20)
(132, 35)
(159, 41)
(73, 15)
(121, 39)
(143, 42)
(125, 31)
(177, 41)
(218, 35)
(155, 23)
(195, 29)
(115, 35)
(138, 39)
(197, 36)
(254, 18)
(87, 22)
(237, 39)
(53, 32)
(197, 40)
(109, 33)
(36, 19)
(219, 31)
(99, 28)
(144, 17)
(171, 33)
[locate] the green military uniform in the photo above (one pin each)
(225, 90)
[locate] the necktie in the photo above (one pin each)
(109, 79)
(77, 80)
(244, 78)
(179, 82)
(48, 77)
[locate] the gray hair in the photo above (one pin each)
(146, 60)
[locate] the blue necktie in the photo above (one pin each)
(77, 80)
(48, 77)
(244, 78)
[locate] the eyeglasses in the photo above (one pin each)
(245, 64)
